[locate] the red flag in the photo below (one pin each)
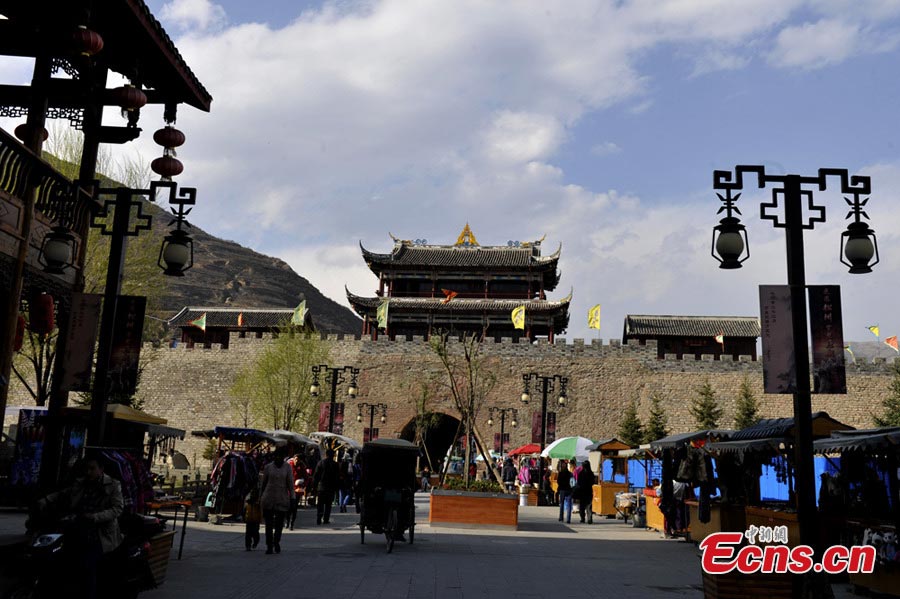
(450, 295)
(241, 319)
(892, 342)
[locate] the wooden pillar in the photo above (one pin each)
(380, 284)
(37, 114)
(485, 288)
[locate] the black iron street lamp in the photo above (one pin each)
(57, 254)
(372, 407)
(337, 377)
(548, 385)
(858, 248)
(514, 414)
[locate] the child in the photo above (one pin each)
(252, 518)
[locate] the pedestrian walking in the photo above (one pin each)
(277, 494)
(509, 474)
(564, 489)
(345, 484)
(326, 482)
(252, 518)
(585, 480)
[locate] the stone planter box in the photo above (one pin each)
(466, 509)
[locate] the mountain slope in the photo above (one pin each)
(228, 274)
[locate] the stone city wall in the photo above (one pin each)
(190, 387)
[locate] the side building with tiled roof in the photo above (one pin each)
(462, 288)
(197, 325)
(686, 336)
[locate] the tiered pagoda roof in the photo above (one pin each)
(408, 255)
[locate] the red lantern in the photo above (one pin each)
(168, 137)
(86, 42)
(129, 97)
(166, 166)
(22, 132)
(41, 314)
(20, 333)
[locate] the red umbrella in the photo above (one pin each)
(526, 449)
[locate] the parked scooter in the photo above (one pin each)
(55, 559)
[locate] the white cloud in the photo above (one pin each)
(523, 137)
(815, 45)
(193, 14)
(605, 148)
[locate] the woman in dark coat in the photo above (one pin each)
(585, 491)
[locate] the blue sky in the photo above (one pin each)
(596, 123)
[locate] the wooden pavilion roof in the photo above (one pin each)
(135, 43)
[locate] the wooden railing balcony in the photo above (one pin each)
(57, 201)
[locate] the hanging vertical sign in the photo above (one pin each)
(829, 373)
(779, 367)
(125, 354)
(81, 334)
(324, 415)
(536, 427)
(551, 427)
(498, 443)
(338, 428)
(369, 434)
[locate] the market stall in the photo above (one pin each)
(861, 499)
(240, 456)
(740, 462)
(685, 467)
(611, 480)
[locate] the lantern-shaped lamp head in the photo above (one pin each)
(490, 422)
(352, 391)
(514, 423)
(176, 254)
(858, 247)
(525, 396)
(383, 418)
(730, 245)
(57, 251)
(562, 398)
(314, 388)
(359, 417)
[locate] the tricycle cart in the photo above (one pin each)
(387, 489)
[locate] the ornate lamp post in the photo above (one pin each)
(372, 407)
(337, 377)
(57, 254)
(514, 414)
(548, 385)
(859, 251)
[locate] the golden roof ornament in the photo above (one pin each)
(466, 238)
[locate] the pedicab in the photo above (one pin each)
(387, 489)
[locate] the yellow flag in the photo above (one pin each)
(594, 317)
(382, 314)
(875, 330)
(299, 316)
(518, 317)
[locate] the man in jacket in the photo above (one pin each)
(95, 502)
(326, 481)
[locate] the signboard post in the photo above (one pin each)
(81, 335)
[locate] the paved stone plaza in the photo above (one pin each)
(544, 558)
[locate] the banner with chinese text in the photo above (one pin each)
(779, 368)
(829, 373)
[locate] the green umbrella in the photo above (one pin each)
(568, 448)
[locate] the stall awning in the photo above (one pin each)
(159, 430)
(232, 433)
(769, 428)
(682, 439)
(291, 437)
(611, 444)
(119, 412)
(771, 445)
(872, 439)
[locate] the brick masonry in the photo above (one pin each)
(190, 387)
